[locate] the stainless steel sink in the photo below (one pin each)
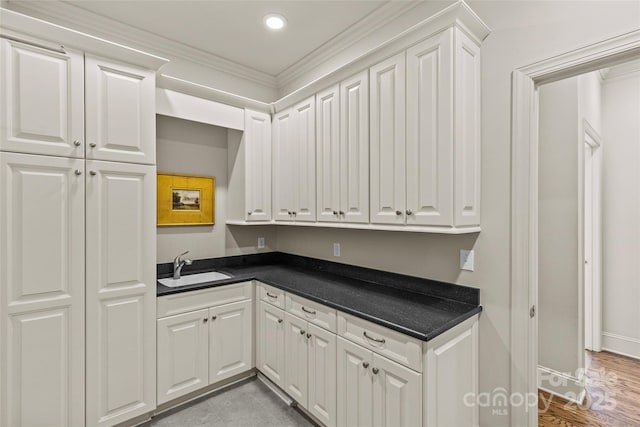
(194, 279)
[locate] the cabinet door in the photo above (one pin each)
(296, 358)
(467, 131)
(257, 134)
(41, 100)
(284, 166)
(430, 131)
(121, 112)
(322, 375)
(121, 291)
(354, 148)
(387, 123)
(328, 154)
(304, 152)
(42, 293)
(183, 354)
(271, 339)
(354, 386)
(397, 394)
(230, 340)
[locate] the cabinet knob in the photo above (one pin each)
(205, 320)
(335, 212)
(308, 335)
(248, 213)
(76, 143)
(294, 213)
(409, 212)
(398, 212)
(279, 320)
(92, 144)
(341, 212)
(213, 318)
(302, 332)
(375, 371)
(93, 173)
(365, 365)
(290, 213)
(78, 172)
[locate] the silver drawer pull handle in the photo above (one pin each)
(271, 295)
(308, 311)
(380, 340)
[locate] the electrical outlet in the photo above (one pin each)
(336, 249)
(260, 242)
(466, 260)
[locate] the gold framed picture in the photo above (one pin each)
(185, 199)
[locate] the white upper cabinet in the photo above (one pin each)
(284, 168)
(294, 163)
(387, 140)
(41, 100)
(249, 169)
(430, 131)
(328, 154)
(120, 112)
(467, 131)
(354, 148)
(303, 154)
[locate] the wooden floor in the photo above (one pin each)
(613, 396)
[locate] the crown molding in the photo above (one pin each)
(356, 32)
(212, 94)
(24, 28)
(458, 15)
(71, 16)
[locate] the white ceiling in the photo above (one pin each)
(234, 29)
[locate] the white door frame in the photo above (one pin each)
(524, 201)
(592, 317)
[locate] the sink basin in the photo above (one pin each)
(194, 279)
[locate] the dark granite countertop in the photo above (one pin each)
(420, 308)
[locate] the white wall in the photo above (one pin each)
(195, 148)
(522, 32)
(558, 230)
(621, 214)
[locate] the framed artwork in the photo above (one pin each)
(185, 199)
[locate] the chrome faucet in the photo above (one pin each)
(178, 263)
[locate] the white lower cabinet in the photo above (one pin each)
(373, 390)
(203, 347)
(230, 340)
(182, 354)
(270, 343)
(310, 368)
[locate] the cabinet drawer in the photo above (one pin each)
(189, 301)
(273, 296)
(313, 312)
(394, 345)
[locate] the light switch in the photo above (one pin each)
(260, 242)
(336, 249)
(466, 260)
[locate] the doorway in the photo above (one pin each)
(524, 201)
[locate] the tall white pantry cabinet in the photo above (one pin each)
(77, 238)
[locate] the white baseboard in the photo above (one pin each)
(619, 344)
(560, 384)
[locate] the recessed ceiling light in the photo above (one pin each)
(274, 21)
